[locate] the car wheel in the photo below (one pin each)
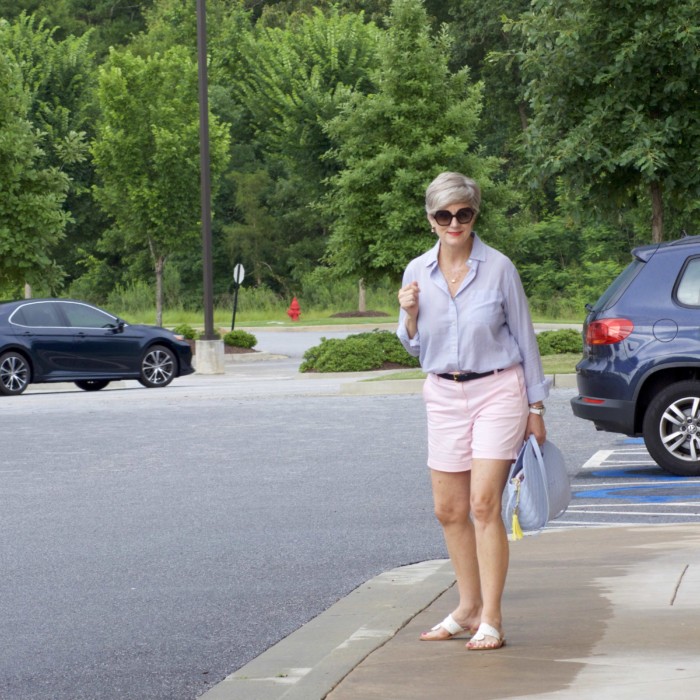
(92, 384)
(14, 373)
(672, 428)
(158, 367)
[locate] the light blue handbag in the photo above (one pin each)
(538, 488)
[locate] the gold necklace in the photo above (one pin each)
(456, 275)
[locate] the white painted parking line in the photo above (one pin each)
(597, 459)
(618, 457)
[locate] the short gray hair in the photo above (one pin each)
(452, 188)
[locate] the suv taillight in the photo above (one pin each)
(608, 331)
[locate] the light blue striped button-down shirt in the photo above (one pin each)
(486, 326)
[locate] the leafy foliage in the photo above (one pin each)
(105, 22)
(240, 339)
(564, 340)
(481, 43)
(357, 353)
(55, 77)
(341, 111)
(290, 80)
(32, 193)
(186, 331)
(391, 143)
(147, 154)
(615, 110)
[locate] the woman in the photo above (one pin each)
(465, 315)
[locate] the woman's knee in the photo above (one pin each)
(486, 510)
(451, 512)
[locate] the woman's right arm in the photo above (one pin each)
(408, 301)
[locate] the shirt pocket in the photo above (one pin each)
(485, 307)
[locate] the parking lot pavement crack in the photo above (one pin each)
(678, 585)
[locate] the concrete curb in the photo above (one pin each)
(310, 662)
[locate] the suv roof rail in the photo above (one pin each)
(644, 252)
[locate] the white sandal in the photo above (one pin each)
(486, 630)
(450, 625)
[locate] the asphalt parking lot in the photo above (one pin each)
(157, 540)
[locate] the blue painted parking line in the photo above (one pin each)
(636, 473)
(646, 493)
(630, 485)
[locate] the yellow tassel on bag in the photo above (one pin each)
(517, 532)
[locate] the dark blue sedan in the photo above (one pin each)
(64, 340)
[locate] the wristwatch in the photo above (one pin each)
(539, 410)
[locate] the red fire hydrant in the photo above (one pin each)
(294, 310)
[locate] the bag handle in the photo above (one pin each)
(540, 462)
(514, 501)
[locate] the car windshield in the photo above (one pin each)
(613, 292)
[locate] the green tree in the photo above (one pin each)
(147, 155)
(421, 120)
(288, 81)
(296, 78)
(32, 218)
(106, 22)
(256, 238)
(58, 78)
(477, 28)
(614, 99)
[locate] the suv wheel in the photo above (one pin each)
(14, 374)
(158, 367)
(672, 428)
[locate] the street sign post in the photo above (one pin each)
(238, 276)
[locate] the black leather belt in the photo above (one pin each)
(467, 376)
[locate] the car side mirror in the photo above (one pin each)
(119, 328)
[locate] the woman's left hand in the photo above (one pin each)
(535, 426)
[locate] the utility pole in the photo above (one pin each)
(204, 166)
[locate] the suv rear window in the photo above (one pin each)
(622, 281)
(688, 289)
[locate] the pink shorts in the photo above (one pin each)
(483, 418)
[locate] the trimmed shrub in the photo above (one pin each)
(186, 331)
(240, 339)
(558, 342)
(357, 353)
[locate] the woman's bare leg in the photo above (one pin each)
(488, 481)
(452, 496)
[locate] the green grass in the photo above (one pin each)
(565, 363)
(271, 318)
(405, 374)
(222, 319)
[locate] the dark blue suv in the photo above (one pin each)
(640, 372)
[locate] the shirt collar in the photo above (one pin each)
(478, 252)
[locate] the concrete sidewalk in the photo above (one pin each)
(610, 613)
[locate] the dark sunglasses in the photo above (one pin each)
(444, 217)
